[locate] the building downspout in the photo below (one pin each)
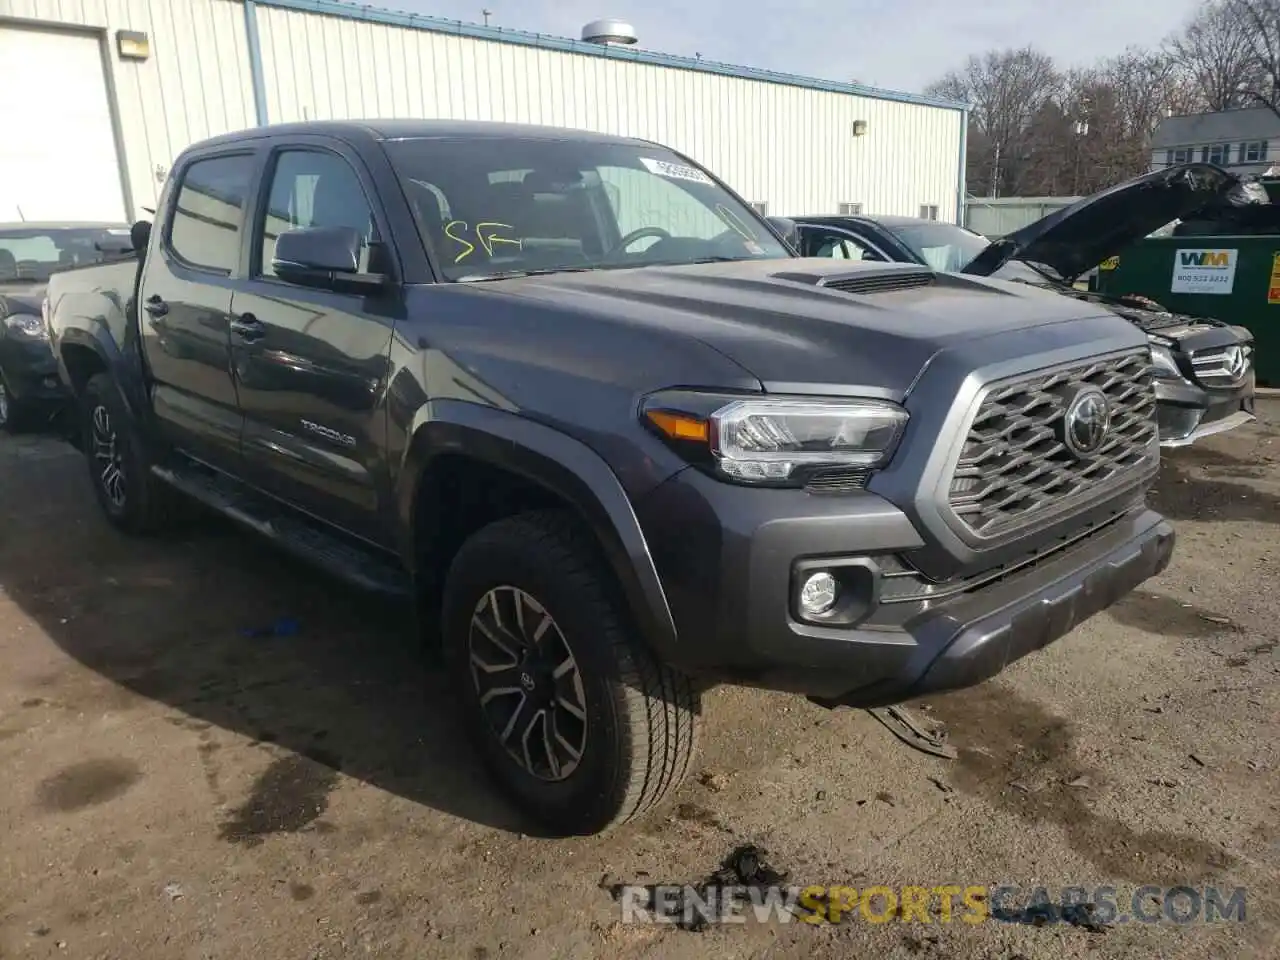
(255, 61)
(961, 180)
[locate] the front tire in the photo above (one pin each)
(575, 718)
(131, 496)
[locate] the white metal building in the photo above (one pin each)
(99, 97)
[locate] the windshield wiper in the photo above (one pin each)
(511, 274)
(689, 263)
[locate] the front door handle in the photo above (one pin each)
(155, 306)
(248, 327)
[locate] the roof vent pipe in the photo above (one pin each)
(609, 33)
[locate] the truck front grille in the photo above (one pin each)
(1015, 468)
(1220, 366)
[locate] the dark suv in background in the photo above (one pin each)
(29, 254)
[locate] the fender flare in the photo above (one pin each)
(563, 466)
(116, 362)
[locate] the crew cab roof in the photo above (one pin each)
(414, 130)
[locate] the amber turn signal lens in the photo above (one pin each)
(679, 427)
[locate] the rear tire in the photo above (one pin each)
(14, 415)
(563, 651)
(131, 496)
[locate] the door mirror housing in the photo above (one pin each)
(788, 229)
(114, 243)
(140, 236)
(323, 257)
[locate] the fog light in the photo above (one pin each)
(818, 594)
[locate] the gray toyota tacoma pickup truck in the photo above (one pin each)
(573, 396)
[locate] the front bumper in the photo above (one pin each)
(728, 560)
(1187, 412)
(30, 370)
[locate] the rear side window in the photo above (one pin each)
(204, 229)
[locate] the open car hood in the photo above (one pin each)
(1077, 238)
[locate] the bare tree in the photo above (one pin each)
(1007, 90)
(1261, 19)
(1035, 130)
(1217, 52)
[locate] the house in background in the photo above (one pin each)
(1245, 141)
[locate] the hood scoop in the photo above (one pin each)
(864, 282)
(883, 283)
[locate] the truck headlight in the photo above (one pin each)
(27, 325)
(779, 440)
(1165, 365)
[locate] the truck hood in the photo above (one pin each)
(1077, 238)
(21, 297)
(787, 323)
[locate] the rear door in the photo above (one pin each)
(185, 308)
(312, 364)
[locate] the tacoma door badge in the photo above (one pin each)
(333, 436)
(1086, 421)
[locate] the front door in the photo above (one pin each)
(311, 364)
(185, 306)
(818, 241)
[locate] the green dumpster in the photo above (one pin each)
(1231, 278)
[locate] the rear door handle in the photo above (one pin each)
(155, 306)
(248, 327)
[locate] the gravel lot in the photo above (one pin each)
(174, 788)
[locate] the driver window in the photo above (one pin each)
(313, 189)
(640, 199)
(836, 246)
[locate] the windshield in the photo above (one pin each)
(490, 207)
(943, 246)
(1028, 272)
(34, 253)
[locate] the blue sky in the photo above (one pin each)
(900, 44)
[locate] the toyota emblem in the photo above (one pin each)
(1086, 421)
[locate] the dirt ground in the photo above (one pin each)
(172, 786)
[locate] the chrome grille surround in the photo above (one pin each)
(1211, 366)
(1014, 470)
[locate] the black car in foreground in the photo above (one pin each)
(575, 398)
(1203, 367)
(29, 254)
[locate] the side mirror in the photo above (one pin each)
(140, 236)
(788, 229)
(323, 257)
(115, 243)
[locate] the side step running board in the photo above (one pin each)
(311, 543)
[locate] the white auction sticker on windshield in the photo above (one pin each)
(677, 171)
